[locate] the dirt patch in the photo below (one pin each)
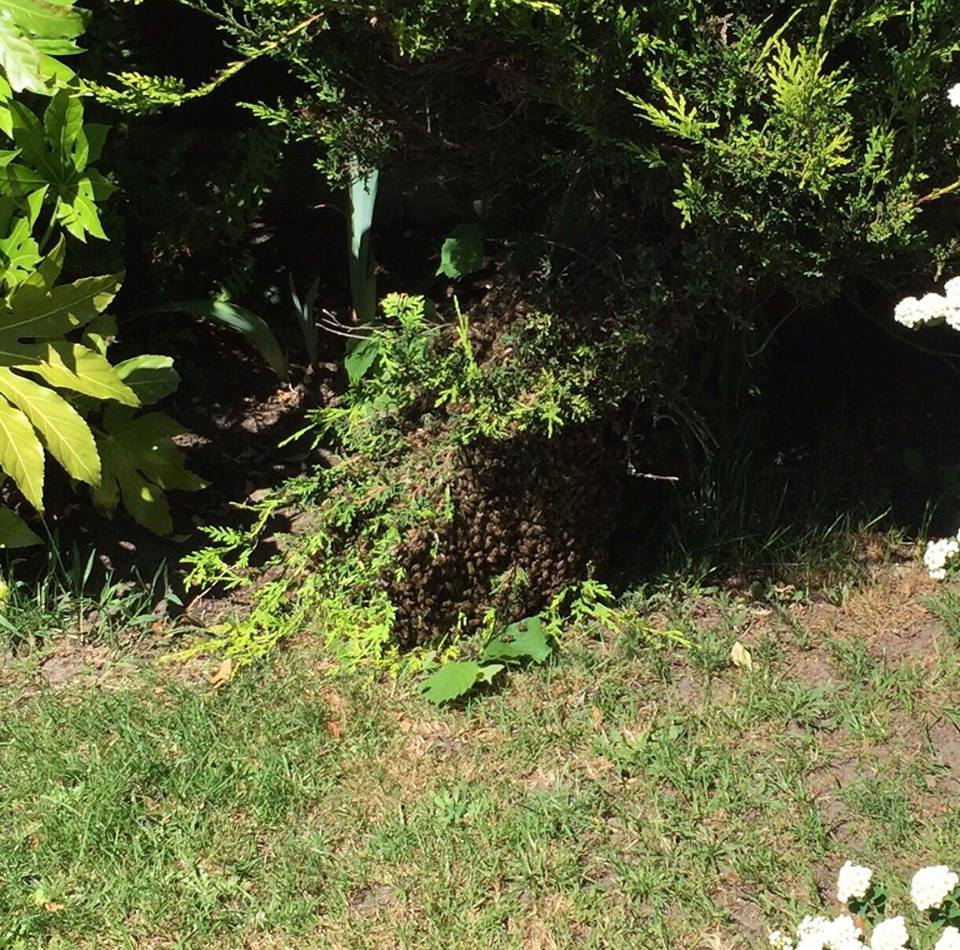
(69, 665)
(372, 898)
(945, 738)
(888, 616)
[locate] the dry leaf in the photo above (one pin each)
(223, 674)
(740, 657)
(333, 727)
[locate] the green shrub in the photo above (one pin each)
(672, 178)
(59, 395)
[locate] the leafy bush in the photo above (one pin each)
(670, 181)
(55, 375)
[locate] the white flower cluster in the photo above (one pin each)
(953, 95)
(821, 933)
(931, 886)
(842, 933)
(853, 882)
(913, 311)
(937, 555)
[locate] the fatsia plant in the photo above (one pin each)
(52, 163)
(50, 387)
(37, 360)
(55, 378)
(33, 33)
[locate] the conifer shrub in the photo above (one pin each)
(653, 181)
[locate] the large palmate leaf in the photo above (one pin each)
(36, 360)
(140, 464)
(32, 33)
(53, 157)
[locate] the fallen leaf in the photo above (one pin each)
(740, 657)
(333, 727)
(223, 674)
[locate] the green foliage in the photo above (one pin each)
(462, 251)
(525, 639)
(32, 34)
(675, 179)
(362, 195)
(53, 159)
(456, 678)
(250, 326)
(334, 575)
(55, 376)
(520, 641)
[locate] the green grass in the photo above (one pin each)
(621, 796)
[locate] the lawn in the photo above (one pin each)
(632, 793)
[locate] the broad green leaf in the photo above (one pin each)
(100, 332)
(35, 204)
(31, 138)
(96, 136)
(21, 455)
(150, 377)
(19, 253)
(360, 358)
(525, 639)
(14, 531)
(6, 117)
(63, 122)
(462, 251)
(57, 48)
(20, 60)
(244, 321)
(140, 461)
(47, 20)
(76, 209)
(362, 197)
(48, 273)
(72, 366)
(456, 678)
(39, 311)
(19, 180)
(66, 434)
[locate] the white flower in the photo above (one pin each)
(931, 885)
(911, 312)
(813, 932)
(890, 935)
(935, 558)
(844, 934)
(821, 933)
(953, 95)
(780, 941)
(907, 312)
(853, 881)
(951, 293)
(949, 940)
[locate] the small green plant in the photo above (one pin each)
(462, 251)
(522, 641)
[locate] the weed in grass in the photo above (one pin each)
(68, 598)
